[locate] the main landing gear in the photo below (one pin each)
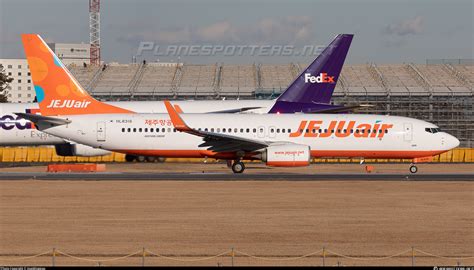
(413, 168)
(238, 166)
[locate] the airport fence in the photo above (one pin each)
(48, 154)
(234, 257)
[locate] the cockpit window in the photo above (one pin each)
(432, 130)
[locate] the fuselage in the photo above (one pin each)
(17, 131)
(327, 135)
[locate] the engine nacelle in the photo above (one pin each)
(69, 150)
(287, 155)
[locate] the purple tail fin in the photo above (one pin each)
(317, 82)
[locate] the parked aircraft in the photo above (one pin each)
(277, 139)
(301, 96)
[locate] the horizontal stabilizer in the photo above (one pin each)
(43, 122)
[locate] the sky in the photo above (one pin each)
(386, 31)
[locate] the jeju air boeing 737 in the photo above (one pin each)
(300, 96)
(278, 139)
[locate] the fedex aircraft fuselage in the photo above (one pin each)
(15, 130)
(327, 135)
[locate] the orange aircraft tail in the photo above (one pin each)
(57, 91)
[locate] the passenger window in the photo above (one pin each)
(223, 130)
(241, 130)
(151, 129)
(212, 129)
(218, 130)
(163, 130)
(140, 130)
(235, 130)
(174, 130)
(272, 130)
(134, 129)
(123, 129)
(146, 129)
(248, 130)
(386, 131)
(254, 130)
(278, 130)
(289, 130)
(128, 129)
(169, 129)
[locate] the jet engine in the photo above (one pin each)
(68, 150)
(287, 155)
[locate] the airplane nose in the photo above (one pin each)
(453, 142)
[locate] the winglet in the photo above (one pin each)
(177, 121)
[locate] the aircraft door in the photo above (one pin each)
(261, 131)
(408, 132)
(101, 131)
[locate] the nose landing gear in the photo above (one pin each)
(413, 168)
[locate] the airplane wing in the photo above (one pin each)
(215, 141)
(44, 121)
(336, 109)
(243, 109)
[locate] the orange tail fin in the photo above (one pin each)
(57, 91)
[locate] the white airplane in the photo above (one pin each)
(277, 139)
(298, 97)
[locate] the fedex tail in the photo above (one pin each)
(317, 82)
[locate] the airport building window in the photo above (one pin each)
(19, 66)
(10, 66)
